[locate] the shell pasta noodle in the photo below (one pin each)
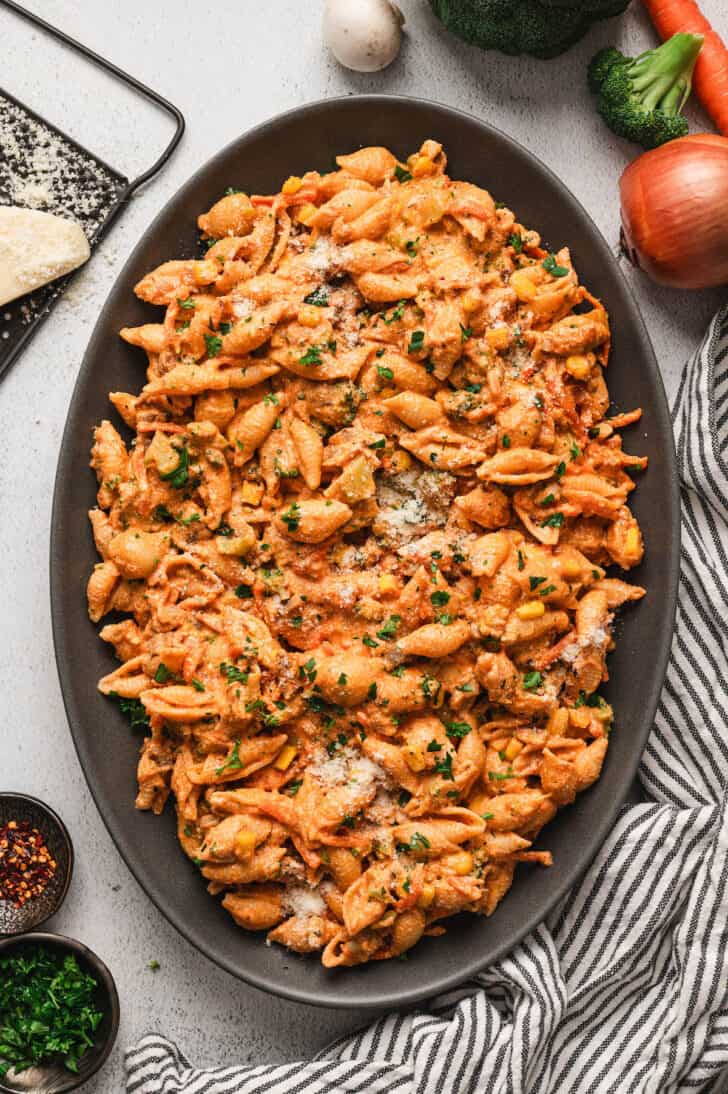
(358, 551)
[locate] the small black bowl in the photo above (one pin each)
(54, 1078)
(37, 910)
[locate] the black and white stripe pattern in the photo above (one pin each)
(625, 988)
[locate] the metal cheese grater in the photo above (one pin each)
(42, 168)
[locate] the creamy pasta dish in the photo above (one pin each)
(356, 552)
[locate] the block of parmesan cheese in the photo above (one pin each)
(36, 248)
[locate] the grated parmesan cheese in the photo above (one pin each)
(300, 901)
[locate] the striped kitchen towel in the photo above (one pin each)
(625, 987)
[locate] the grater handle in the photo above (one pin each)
(130, 81)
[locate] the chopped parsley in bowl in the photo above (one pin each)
(59, 1012)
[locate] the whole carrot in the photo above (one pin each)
(710, 78)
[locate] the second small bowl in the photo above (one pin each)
(52, 1077)
(21, 807)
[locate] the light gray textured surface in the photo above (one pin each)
(228, 66)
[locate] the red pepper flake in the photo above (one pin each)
(26, 864)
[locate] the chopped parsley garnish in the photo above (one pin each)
(319, 298)
(427, 686)
(307, 670)
(506, 441)
(551, 265)
(377, 444)
(312, 356)
(396, 314)
(402, 174)
(47, 1009)
(548, 500)
(367, 640)
(416, 341)
(560, 470)
(465, 333)
(554, 521)
(417, 842)
(162, 513)
(532, 680)
(233, 762)
(498, 776)
(197, 684)
(187, 304)
(546, 590)
(244, 592)
(134, 710)
(439, 598)
(293, 788)
(267, 717)
(411, 247)
(434, 746)
(444, 767)
(372, 691)
(534, 582)
(457, 729)
(389, 629)
(292, 516)
(213, 344)
(521, 560)
(162, 674)
(515, 241)
(233, 673)
(179, 475)
(574, 451)
(385, 373)
(343, 680)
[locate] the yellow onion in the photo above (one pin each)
(675, 212)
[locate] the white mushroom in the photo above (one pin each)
(364, 35)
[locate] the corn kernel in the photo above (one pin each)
(426, 897)
(470, 301)
(570, 568)
(401, 461)
(388, 584)
(461, 862)
(205, 271)
(523, 285)
(245, 843)
(632, 541)
(421, 166)
(251, 493)
(513, 747)
(498, 338)
(532, 609)
(285, 758)
(579, 717)
(578, 365)
(558, 721)
(309, 315)
(306, 213)
(414, 758)
(292, 185)
(236, 545)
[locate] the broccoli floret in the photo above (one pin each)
(640, 99)
(543, 28)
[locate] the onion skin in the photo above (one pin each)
(675, 212)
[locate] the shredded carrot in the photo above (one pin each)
(710, 78)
